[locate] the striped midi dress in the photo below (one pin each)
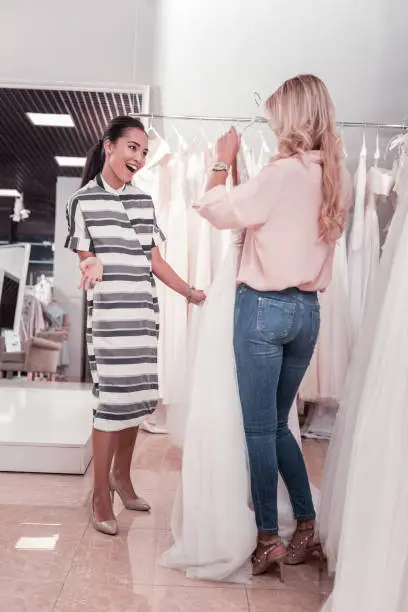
(123, 314)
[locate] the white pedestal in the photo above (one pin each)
(45, 427)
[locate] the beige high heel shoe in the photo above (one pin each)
(107, 527)
(138, 504)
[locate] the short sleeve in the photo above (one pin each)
(78, 238)
(159, 237)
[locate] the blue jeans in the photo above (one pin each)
(274, 338)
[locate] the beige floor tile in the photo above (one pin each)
(86, 594)
(38, 553)
(21, 596)
(179, 599)
(283, 601)
(122, 560)
(45, 489)
(44, 515)
(98, 597)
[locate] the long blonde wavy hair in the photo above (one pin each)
(302, 115)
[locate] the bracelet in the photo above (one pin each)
(188, 296)
(220, 167)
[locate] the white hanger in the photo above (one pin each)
(363, 146)
(397, 141)
(181, 142)
(264, 144)
(377, 154)
(205, 136)
(256, 118)
(201, 132)
(343, 142)
(151, 129)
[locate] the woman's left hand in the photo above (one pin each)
(197, 297)
(227, 147)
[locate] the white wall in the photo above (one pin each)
(67, 276)
(14, 259)
(80, 41)
(213, 55)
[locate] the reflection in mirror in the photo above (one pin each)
(14, 260)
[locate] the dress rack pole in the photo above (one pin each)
(357, 124)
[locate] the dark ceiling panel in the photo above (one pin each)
(27, 152)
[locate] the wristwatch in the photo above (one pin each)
(220, 167)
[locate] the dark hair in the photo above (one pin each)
(96, 156)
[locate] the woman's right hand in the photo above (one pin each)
(197, 297)
(92, 271)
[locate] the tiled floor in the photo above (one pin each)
(51, 559)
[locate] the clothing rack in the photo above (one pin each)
(360, 124)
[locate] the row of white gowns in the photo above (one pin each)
(362, 518)
(344, 303)
(193, 248)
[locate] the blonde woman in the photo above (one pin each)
(293, 213)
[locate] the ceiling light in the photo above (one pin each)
(71, 162)
(9, 193)
(51, 119)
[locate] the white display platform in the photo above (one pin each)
(45, 427)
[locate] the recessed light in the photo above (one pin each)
(51, 119)
(9, 193)
(71, 162)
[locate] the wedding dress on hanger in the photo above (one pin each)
(338, 463)
(365, 495)
(324, 381)
(356, 244)
(155, 180)
(213, 523)
(371, 256)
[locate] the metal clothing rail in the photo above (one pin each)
(360, 124)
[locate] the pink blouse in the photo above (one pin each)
(280, 210)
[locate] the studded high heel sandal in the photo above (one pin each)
(304, 544)
(272, 553)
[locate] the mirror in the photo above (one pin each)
(14, 261)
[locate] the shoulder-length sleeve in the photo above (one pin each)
(159, 236)
(248, 205)
(78, 238)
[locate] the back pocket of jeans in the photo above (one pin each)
(275, 317)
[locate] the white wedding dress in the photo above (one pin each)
(338, 460)
(356, 245)
(363, 521)
(213, 523)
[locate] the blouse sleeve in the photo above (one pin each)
(248, 205)
(158, 235)
(78, 238)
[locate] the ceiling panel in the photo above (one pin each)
(27, 152)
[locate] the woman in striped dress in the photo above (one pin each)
(113, 229)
